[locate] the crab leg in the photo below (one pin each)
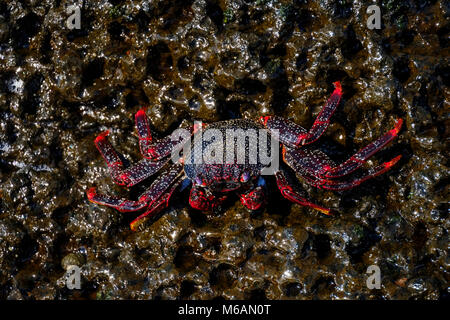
(155, 190)
(142, 126)
(155, 195)
(287, 192)
(132, 175)
(120, 204)
(373, 172)
(254, 199)
(285, 131)
(323, 119)
(143, 131)
(203, 200)
(307, 161)
(311, 162)
(110, 155)
(141, 171)
(293, 135)
(161, 149)
(149, 149)
(359, 158)
(162, 183)
(156, 206)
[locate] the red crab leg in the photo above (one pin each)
(373, 172)
(254, 199)
(157, 195)
(155, 207)
(201, 200)
(288, 132)
(149, 149)
(307, 160)
(162, 183)
(152, 195)
(143, 131)
(323, 119)
(161, 149)
(141, 171)
(287, 192)
(120, 204)
(132, 175)
(110, 155)
(359, 158)
(142, 126)
(293, 135)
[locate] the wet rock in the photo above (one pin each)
(216, 60)
(71, 259)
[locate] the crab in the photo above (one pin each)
(212, 183)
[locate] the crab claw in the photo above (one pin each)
(289, 193)
(91, 193)
(254, 199)
(101, 136)
(204, 201)
(359, 158)
(337, 88)
(264, 120)
(142, 126)
(107, 151)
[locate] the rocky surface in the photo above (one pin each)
(213, 60)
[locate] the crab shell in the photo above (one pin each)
(218, 174)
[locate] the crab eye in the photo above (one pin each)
(245, 177)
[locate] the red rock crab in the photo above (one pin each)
(211, 183)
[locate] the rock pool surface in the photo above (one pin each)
(214, 60)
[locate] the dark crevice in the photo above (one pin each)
(401, 69)
(24, 29)
(322, 247)
(420, 236)
(159, 61)
(222, 276)
(46, 49)
(185, 258)
(256, 294)
(322, 283)
(249, 86)
(92, 71)
(27, 249)
(117, 31)
(351, 45)
(292, 289)
(368, 240)
(142, 19)
(32, 99)
(215, 13)
(302, 60)
(187, 288)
